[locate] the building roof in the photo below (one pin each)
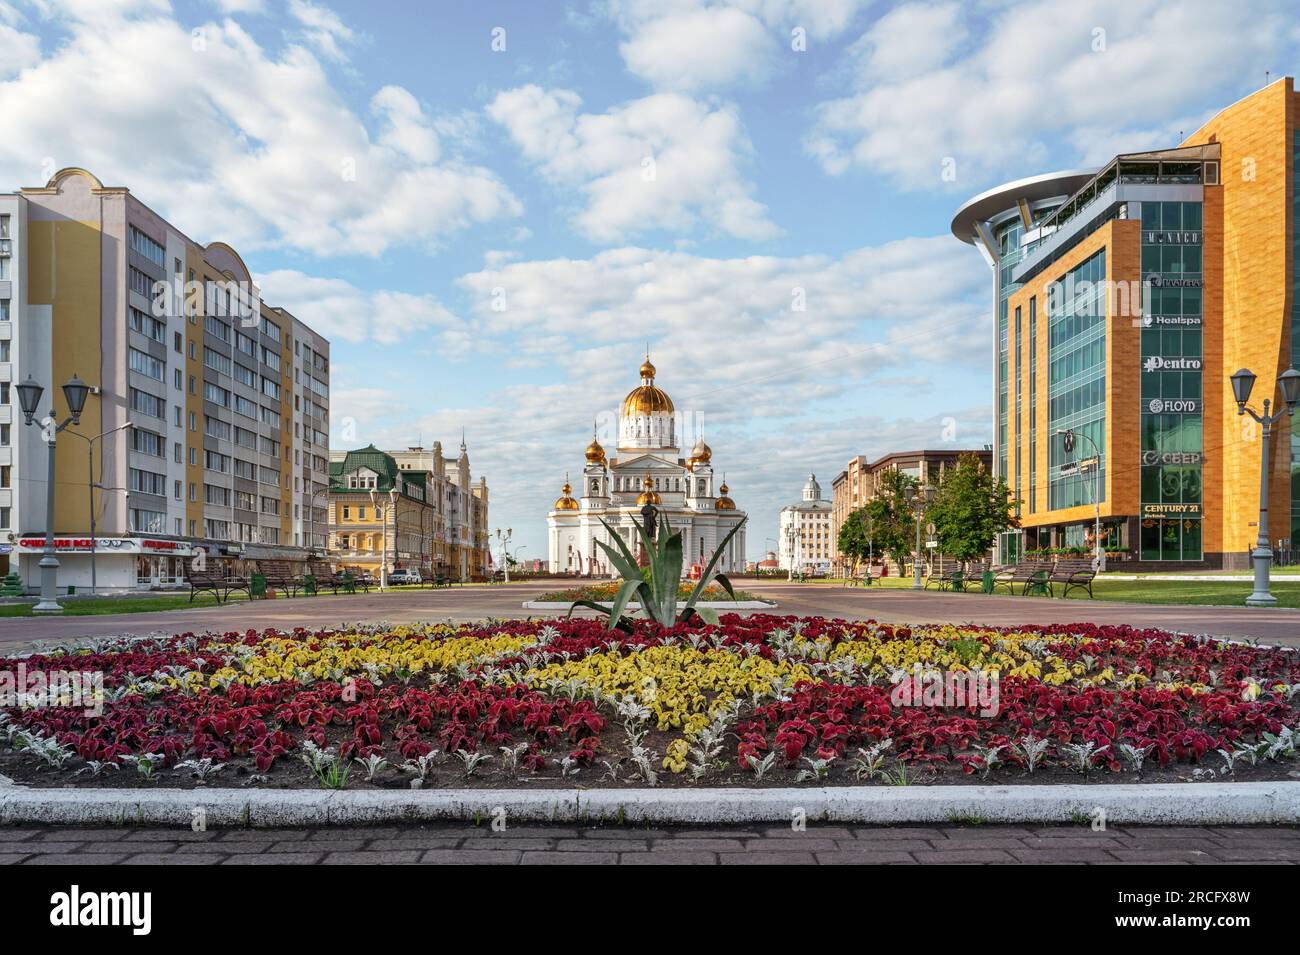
(1032, 189)
(380, 462)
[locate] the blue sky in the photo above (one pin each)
(489, 236)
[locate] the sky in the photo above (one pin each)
(491, 208)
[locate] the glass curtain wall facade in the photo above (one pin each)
(1172, 388)
(1076, 383)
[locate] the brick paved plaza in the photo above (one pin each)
(529, 845)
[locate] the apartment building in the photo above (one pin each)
(207, 424)
(859, 482)
(441, 512)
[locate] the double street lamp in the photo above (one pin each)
(918, 500)
(1289, 384)
(29, 398)
(383, 511)
(1068, 438)
(505, 550)
(91, 485)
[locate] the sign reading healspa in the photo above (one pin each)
(107, 545)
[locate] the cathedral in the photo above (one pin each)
(648, 468)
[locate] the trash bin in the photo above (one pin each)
(986, 582)
(257, 585)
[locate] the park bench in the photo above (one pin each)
(972, 574)
(217, 583)
(1072, 572)
(280, 575)
(438, 579)
(945, 574)
(1028, 575)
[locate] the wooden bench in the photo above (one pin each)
(1072, 572)
(216, 583)
(1028, 575)
(945, 574)
(280, 575)
(434, 580)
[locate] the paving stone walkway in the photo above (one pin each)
(529, 845)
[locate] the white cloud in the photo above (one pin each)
(231, 142)
(695, 44)
(662, 162)
(342, 312)
(992, 91)
(323, 29)
(241, 6)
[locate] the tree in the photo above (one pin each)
(970, 510)
(892, 521)
(855, 539)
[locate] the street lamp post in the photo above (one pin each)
(90, 492)
(29, 397)
(1242, 384)
(918, 501)
(505, 550)
(383, 559)
(1069, 435)
(789, 547)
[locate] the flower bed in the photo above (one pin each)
(760, 700)
(606, 592)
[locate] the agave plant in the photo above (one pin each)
(656, 591)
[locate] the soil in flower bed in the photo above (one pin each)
(758, 701)
(608, 591)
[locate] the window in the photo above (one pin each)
(138, 282)
(245, 376)
(6, 475)
(215, 461)
(245, 438)
(271, 331)
(148, 522)
(217, 328)
(146, 442)
(245, 501)
(271, 388)
(215, 494)
(4, 309)
(245, 407)
(216, 530)
(147, 482)
(246, 470)
(147, 404)
(5, 435)
(5, 520)
(245, 344)
(146, 246)
(146, 324)
(146, 364)
(268, 475)
(270, 417)
(216, 428)
(216, 394)
(216, 361)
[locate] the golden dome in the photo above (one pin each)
(725, 503)
(566, 502)
(595, 453)
(700, 454)
(649, 495)
(646, 398)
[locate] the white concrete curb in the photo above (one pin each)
(714, 604)
(1155, 804)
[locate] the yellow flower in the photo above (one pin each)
(675, 761)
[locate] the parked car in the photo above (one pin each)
(407, 575)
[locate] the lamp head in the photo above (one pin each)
(29, 397)
(1289, 382)
(1242, 384)
(74, 393)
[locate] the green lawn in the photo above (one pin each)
(1207, 592)
(93, 606)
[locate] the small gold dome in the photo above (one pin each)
(725, 503)
(566, 502)
(646, 398)
(649, 495)
(595, 453)
(700, 454)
